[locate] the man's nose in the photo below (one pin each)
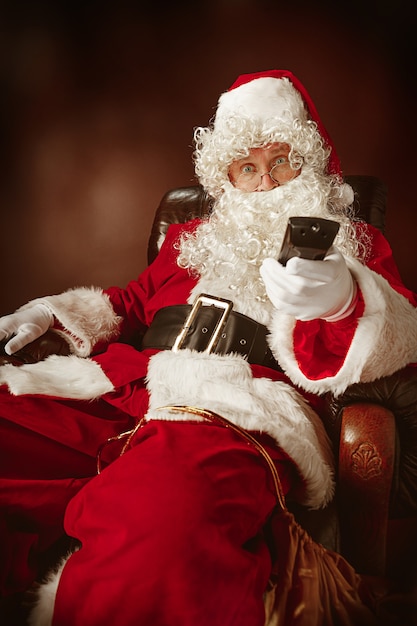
(267, 182)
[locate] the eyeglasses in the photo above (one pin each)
(250, 179)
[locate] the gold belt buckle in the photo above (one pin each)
(205, 299)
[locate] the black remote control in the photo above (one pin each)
(308, 238)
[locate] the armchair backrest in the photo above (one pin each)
(185, 203)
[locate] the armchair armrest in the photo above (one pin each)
(49, 343)
(398, 393)
(365, 472)
(374, 427)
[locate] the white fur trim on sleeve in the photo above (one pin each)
(224, 384)
(86, 315)
(384, 342)
(61, 376)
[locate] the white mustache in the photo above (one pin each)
(245, 228)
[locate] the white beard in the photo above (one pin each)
(244, 229)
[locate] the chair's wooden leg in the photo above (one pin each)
(366, 462)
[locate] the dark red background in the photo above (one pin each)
(99, 101)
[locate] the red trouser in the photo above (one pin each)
(48, 450)
(172, 533)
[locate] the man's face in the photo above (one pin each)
(263, 168)
(244, 228)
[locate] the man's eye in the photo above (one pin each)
(248, 169)
(280, 161)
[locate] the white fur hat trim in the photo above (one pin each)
(261, 99)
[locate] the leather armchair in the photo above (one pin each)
(373, 520)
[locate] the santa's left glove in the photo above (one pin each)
(25, 326)
(310, 290)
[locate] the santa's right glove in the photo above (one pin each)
(25, 326)
(310, 290)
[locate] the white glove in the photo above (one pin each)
(308, 289)
(25, 325)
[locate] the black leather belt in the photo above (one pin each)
(210, 325)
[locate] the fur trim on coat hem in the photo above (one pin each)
(60, 376)
(44, 596)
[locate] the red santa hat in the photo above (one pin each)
(272, 95)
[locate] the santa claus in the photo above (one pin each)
(173, 529)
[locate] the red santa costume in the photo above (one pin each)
(172, 531)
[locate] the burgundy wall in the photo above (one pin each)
(98, 107)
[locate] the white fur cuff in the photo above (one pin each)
(61, 376)
(384, 342)
(85, 314)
